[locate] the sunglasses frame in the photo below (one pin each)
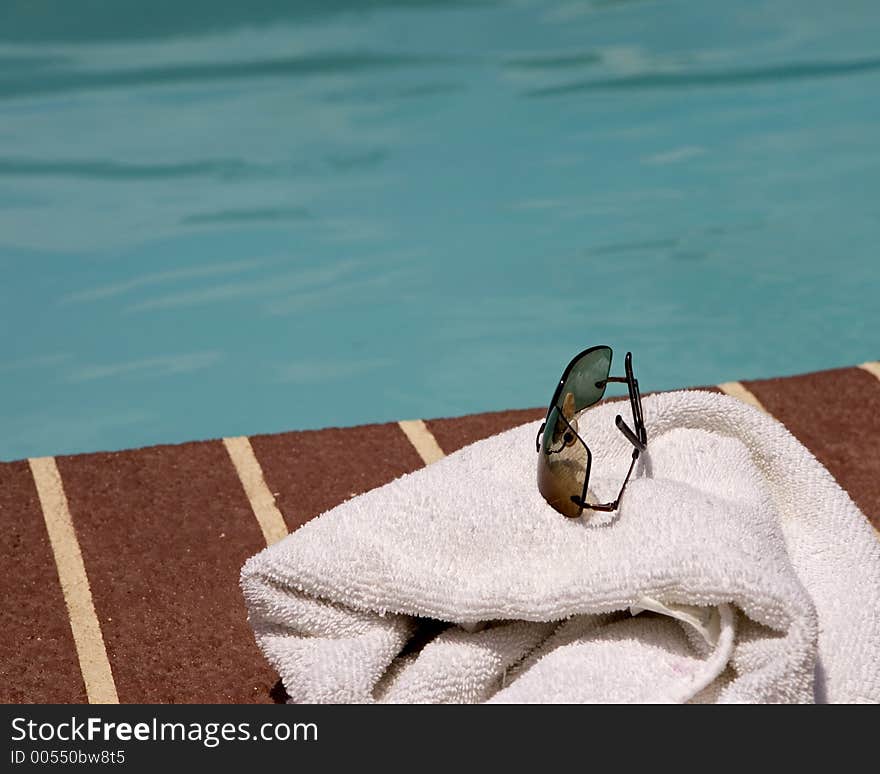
(638, 438)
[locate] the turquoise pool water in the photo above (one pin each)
(220, 218)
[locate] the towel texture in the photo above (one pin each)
(736, 570)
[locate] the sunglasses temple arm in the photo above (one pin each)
(635, 399)
(616, 504)
(640, 418)
(616, 379)
(630, 435)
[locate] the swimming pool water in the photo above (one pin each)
(226, 218)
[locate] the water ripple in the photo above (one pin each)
(555, 61)
(133, 20)
(255, 215)
(758, 75)
(66, 81)
(222, 169)
(114, 170)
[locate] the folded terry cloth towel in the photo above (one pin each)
(735, 570)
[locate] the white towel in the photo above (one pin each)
(758, 577)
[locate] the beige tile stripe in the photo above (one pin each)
(740, 392)
(261, 499)
(872, 368)
(87, 636)
(424, 441)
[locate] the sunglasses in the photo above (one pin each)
(564, 459)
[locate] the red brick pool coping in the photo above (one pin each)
(120, 570)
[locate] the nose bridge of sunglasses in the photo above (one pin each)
(567, 424)
(561, 427)
(568, 406)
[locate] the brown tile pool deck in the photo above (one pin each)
(120, 576)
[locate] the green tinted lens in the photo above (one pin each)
(586, 380)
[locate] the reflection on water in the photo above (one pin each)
(224, 218)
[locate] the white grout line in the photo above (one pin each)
(84, 624)
(741, 392)
(872, 368)
(261, 499)
(422, 439)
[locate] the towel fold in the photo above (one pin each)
(735, 570)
